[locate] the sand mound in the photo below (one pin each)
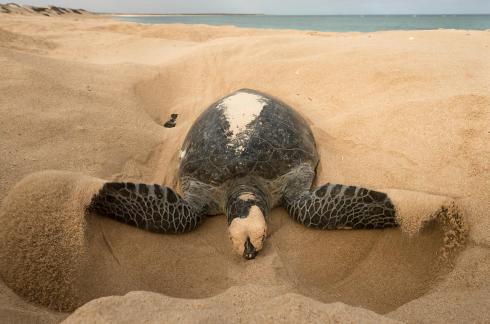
(14, 309)
(386, 111)
(24, 42)
(43, 237)
(185, 32)
(248, 304)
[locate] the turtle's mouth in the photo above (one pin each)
(250, 252)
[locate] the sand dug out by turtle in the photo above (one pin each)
(246, 154)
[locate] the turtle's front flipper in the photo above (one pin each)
(335, 206)
(151, 207)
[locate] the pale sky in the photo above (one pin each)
(298, 7)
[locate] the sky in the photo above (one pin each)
(284, 7)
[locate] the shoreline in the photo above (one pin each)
(277, 15)
(279, 30)
(176, 15)
(340, 23)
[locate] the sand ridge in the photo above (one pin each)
(387, 111)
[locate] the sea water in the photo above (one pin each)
(367, 23)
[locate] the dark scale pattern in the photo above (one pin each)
(271, 145)
(335, 206)
(151, 207)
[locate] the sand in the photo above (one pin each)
(87, 96)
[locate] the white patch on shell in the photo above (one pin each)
(252, 226)
(240, 109)
(182, 154)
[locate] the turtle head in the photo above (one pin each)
(248, 233)
(247, 225)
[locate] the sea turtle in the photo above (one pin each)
(245, 154)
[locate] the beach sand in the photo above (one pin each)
(88, 96)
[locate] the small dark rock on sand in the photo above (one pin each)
(172, 121)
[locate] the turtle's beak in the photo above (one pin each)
(250, 252)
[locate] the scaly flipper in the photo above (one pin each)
(152, 207)
(335, 206)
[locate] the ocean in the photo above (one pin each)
(368, 23)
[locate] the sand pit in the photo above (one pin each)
(62, 257)
(386, 113)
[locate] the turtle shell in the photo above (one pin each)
(246, 133)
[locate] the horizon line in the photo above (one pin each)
(313, 15)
